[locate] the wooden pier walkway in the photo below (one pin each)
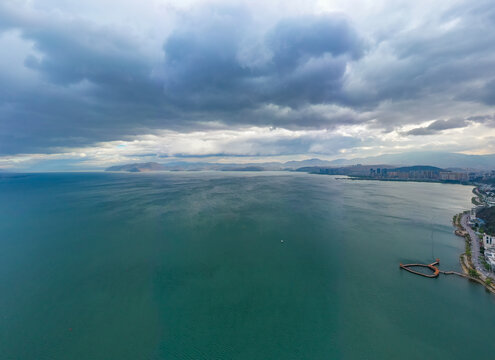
(435, 270)
(458, 274)
(431, 266)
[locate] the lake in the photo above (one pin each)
(233, 265)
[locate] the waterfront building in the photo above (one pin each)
(490, 257)
(453, 176)
(489, 241)
(472, 215)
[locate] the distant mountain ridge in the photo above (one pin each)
(193, 166)
(418, 168)
(137, 167)
(436, 159)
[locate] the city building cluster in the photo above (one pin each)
(482, 219)
(427, 173)
(430, 173)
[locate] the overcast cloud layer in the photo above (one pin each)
(96, 83)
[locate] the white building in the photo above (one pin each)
(490, 257)
(488, 241)
(472, 215)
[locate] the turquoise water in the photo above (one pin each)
(191, 266)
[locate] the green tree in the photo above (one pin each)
(473, 273)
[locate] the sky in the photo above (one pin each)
(95, 83)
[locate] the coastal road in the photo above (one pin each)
(475, 247)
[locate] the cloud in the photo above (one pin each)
(98, 84)
(303, 61)
(488, 120)
(252, 142)
(76, 75)
(438, 126)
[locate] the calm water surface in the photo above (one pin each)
(192, 266)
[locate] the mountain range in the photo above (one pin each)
(438, 159)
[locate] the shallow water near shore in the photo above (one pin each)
(213, 265)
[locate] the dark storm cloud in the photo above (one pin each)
(306, 63)
(98, 86)
(436, 57)
(456, 123)
(486, 93)
(95, 83)
(488, 120)
(438, 126)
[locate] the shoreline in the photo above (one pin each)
(430, 181)
(465, 258)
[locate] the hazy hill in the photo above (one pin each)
(138, 167)
(308, 163)
(418, 168)
(439, 159)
